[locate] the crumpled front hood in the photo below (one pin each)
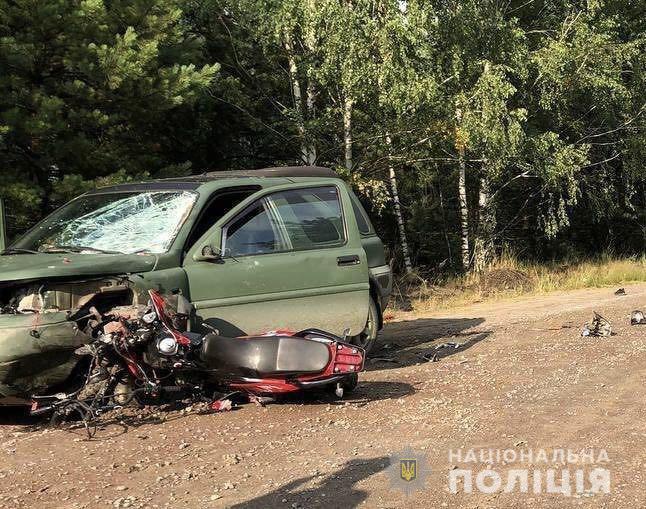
(48, 265)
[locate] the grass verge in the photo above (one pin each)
(508, 277)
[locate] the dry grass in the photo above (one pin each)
(508, 277)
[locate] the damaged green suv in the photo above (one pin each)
(278, 248)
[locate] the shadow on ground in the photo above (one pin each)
(128, 419)
(335, 490)
(17, 415)
(417, 341)
(365, 392)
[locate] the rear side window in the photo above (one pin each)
(363, 223)
(311, 217)
(293, 220)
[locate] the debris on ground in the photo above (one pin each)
(432, 355)
(597, 327)
(621, 291)
(637, 318)
(221, 405)
(260, 400)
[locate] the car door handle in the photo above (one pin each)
(344, 261)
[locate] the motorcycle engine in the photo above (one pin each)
(167, 346)
(164, 352)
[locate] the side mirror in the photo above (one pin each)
(208, 254)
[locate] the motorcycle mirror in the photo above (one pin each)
(184, 305)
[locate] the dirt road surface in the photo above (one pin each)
(522, 380)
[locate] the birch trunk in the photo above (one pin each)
(462, 193)
(483, 248)
(464, 208)
(298, 100)
(347, 132)
(446, 233)
(398, 212)
(310, 93)
(310, 148)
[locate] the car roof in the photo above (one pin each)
(193, 182)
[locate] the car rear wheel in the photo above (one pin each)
(368, 336)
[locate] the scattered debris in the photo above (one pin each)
(222, 405)
(598, 327)
(637, 318)
(621, 291)
(564, 326)
(432, 355)
(260, 400)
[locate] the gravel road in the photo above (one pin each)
(520, 381)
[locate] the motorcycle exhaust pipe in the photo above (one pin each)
(319, 383)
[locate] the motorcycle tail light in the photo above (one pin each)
(348, 359)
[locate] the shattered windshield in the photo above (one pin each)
(130, 222)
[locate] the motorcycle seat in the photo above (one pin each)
(264, 355)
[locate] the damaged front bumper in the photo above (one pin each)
(42, 325)
(36, 352)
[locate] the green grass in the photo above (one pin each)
(508, 277)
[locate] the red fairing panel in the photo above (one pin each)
(344, 360)
(159, 304)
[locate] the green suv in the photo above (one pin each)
(277, 248)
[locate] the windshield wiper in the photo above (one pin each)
(18, 250)
(78, 249)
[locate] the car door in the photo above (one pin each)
(293, 259)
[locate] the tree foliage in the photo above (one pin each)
(540, 105)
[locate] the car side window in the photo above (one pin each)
(221, 203)
(292, 220)
(363, 223)
(311, 217)
(253, 232)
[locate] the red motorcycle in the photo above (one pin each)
(152, 359)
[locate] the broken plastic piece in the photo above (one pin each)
(221, 405)
(598, 327)
(637, 318)
(260, 400)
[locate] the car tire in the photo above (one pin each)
(368, 336)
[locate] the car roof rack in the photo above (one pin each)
(193, 181)
(277, 171)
